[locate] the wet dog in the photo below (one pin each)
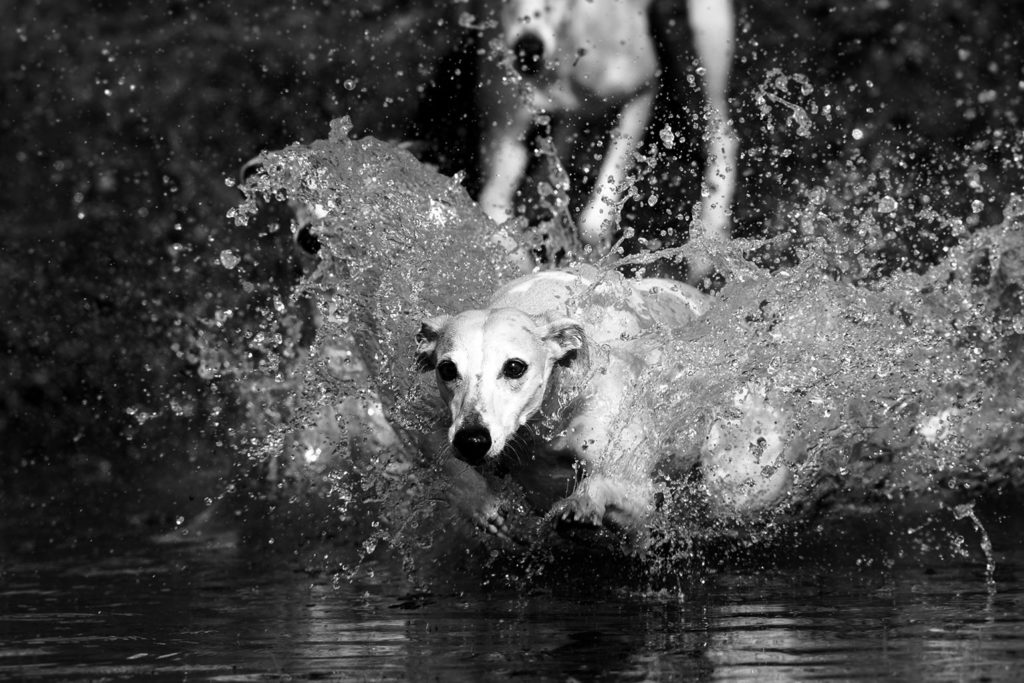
(578, 60)
(543, 382)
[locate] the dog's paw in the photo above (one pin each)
(578, 510)
(494, 522)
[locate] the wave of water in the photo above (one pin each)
(898, 389)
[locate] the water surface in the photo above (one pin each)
(846, 609)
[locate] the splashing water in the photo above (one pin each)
(895, 389)
(776, 90)
(966, 510)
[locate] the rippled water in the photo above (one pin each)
(849, 608)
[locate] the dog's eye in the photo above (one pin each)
(447, 371)
(513, 369)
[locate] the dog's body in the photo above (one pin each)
(578, 61)
(544, 381)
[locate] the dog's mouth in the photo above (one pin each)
(497, 465)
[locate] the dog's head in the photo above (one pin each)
(538, 32)
(531, 31)
(493, 367)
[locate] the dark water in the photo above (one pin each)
(234, 613)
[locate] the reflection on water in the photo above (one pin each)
(231, 614)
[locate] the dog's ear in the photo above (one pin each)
(426, 342)
(566, 339)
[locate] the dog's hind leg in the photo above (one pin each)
(747, 456)
(597, 220)
(505, 162)
(713, 25)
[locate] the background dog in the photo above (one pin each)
(578, 60)
(543, 383)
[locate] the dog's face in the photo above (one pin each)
(531, 29)
(492, 368)
(537, 31)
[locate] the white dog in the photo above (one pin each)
(582, 59)
(542, 382)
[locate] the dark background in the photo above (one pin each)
(123, 334)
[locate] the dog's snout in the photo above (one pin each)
(529, 54)
(471, 444)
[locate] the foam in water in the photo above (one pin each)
(900, 388)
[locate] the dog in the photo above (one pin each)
(579, 60)
(541, 383)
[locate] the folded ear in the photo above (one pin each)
(426, 342)
(566, 340)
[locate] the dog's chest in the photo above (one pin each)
(610, 51)
(603, 59)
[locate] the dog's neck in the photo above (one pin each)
(566, 388)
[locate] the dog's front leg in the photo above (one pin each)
(598, 217)
(601, 500)
(611, 439)
(471, 495)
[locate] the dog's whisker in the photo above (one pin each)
(519, 446)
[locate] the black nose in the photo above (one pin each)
(529, 52)
(471, 444)
(307, 241)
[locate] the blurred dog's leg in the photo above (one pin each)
(598, 219)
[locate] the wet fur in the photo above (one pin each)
(580, 452)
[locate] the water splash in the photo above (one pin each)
(966, 510)
(776, 90)
(894, 388)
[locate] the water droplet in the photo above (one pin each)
(229, 259)
(857, 134)
(350, 83)
(887, 204)
(668, 138)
